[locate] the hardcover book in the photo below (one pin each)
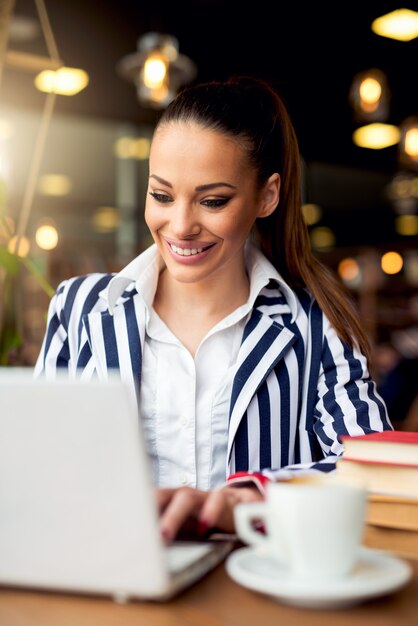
(401, 542)
(384, 462)
(378, 477)
(392, 512)
(389, 446)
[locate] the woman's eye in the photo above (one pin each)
(162, 198)
(215, 203)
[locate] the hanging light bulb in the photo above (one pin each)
(408, 146)
(370, 91)
(157, 69)
(369, 96)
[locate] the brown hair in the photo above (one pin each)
(253, 112)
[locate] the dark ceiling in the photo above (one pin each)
(311, 51)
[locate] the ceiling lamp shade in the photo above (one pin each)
(66, 81)
(157, 69)
(401, 24)
(376, 136)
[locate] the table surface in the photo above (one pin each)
(216, 600)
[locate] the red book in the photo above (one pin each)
(389, 446)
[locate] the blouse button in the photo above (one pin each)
(183, 420)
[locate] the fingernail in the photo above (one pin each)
(202, 527)
(165, 535)
(260, 527)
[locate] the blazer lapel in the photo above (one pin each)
(124, 353)
(264, 343)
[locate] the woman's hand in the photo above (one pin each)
(185, 510)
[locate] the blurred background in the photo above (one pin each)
(74, 147)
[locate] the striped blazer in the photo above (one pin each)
(297, 388)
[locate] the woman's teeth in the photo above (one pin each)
(186, 251)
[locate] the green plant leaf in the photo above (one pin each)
(36, 272)
(9, 261)
(10, 340)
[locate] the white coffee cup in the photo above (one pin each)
(313, 529)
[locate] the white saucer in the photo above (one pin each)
(375, 574)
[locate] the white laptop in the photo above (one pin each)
(77, 508)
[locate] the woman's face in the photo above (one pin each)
(202, 201)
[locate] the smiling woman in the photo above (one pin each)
(249, 361)
(200, 222)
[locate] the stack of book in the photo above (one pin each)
(387, 465)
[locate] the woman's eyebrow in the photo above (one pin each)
(206, 187)
(161, 180)
(213, 186)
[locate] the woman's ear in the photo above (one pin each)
(270, 196)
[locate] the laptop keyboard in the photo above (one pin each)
(180, 555)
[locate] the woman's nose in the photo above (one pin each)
(184, 222)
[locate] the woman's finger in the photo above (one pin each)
(217, 511)
(218, 508)
(163, 498)
(185, 503)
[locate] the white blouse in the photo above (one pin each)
(184, 401)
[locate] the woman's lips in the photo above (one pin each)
(185, 245)
(190, 251)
